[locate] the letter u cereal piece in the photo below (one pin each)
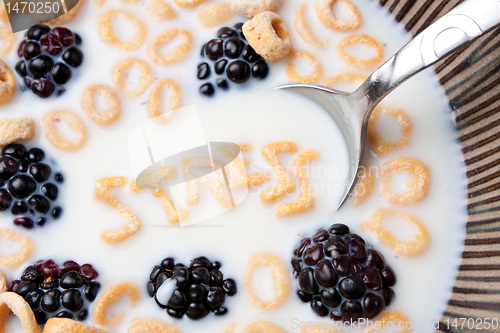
(112, 296)
(268, 35)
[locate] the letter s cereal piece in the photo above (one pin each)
(263, 327)
(250, 8)
(214, 14)
(8, 85)
(102, 192)
(13, 303)
(14, 130)
(16, 259)
(150, 326)
(66, 325)
(412, 247)
(268, 35)
(281, 281)
(112, 296)
(73, 121)
(285, 182)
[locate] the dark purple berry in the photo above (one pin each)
(388, 295)
(5, 200)
(220, 311)
(303, 296)
(31, 50)
(388, 276)
(207, 89)
(59, 178)
(49, 268)
(197, 292)
(313, 254)
(222, 83)
(30, 273)
(65, 35)
(39, 203)
(68, 266)
(233, 47)
(216, 277)
(24, 287)
(40, 65)
(15, 150)
(320, 236)
(343, 265)
(307, 282)
(249, 54)
(33, 298)
(335, 247)
(200, 275)
(318, 307)
(220, 66)
(72, 299)
(21, 68)
(330, 297)
(325, 274)
(88, 272)
(51, 300)
(71, 279)
(339, 229)
(91, 290)
(175, 313)
(25, 222)
(214, 49)
(56, 212)
(49, 190)
(356, 249)
(40, 316)
(372, 279)
(73, 56)
(226, 32)
(167, 263)
(43, 88)
(372, 305)
(61, 73)
(49, 283)
(51, 43)
(203, 71)
(374, 259)
(229, 287)
(40, 171)
(24, 166)
(35, 155)
(196, 310)
(351, 310)
(8, 167)
(351, 287)
(297, 266)
(215, 297)
(64, 314)
(304, 243)
(21, 186)
(238, 71)
(260, 69)
(36, 31)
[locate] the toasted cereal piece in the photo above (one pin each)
(356, 61)
(416, 186)
(285, 182)
(3, 283)
(68, 16)
(250, 8)
(281, 281)
(11, 302)
(19, 257)
(155, 100)
(108, 35)
(364, 186)
(153, 179)
(73, 121)
(150, 326)
(214, 14)
(305, 200)
(99, 3)
(230, 328)
(119, 76)
(324, 10)
(263, 327)
(175, 56)
(112, 296)
(188, 3)
(317, 69)
(418, 244)
(343, 78)
(7, 39)
(268, 35)
(17, 129)
(381, 145)
(174, 215)
(8, 85)
(304, 30)
(394, 317)
(159, 10)
(66, 325)
(102, 192)
(3, 14)
(103, 118)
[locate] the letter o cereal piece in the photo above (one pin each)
(250, 8)
(188, 3)
(416, 186)
(324, 10)
(268, 35)
(174, 56)
(381, 145)
(110, 297)
(359, 62)
(214, 14)
(159, 11)
(281, 280)
(317, 69)
(11, 302)
(89, 105)
(16, 259)
(150, 326)
(8, 85)
(263, 327)
(107, 33)
(364, 186)
(3, 283)
(119, 76)
(66, 325)
(154, 103)
(416, 245)
(73, 121)
(8, 39)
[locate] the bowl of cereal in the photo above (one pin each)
(152, 178)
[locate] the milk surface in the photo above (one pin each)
(255, 114)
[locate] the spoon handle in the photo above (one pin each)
(465, 22)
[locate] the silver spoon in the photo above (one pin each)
(351, 111)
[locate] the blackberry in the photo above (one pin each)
(339, 275)
(57, 291)
(47, 57)
(194, 290)
(28, 189)
(231, 58)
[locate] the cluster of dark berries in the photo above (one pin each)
(53, 291)
(195, 290)
(28, 186)
(47, 56)
(340, 276)
(229, 56)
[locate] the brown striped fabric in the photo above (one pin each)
(471, 81)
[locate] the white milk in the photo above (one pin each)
(254, 114)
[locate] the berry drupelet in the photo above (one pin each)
(28, 186)
(194, 290)
(58, 291)
(47, 56)
(342, 277)
(229, 57)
